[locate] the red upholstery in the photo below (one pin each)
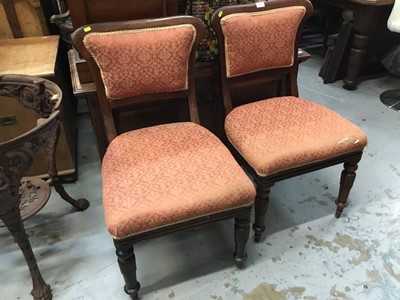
(250, 48)
(136, 62)
(282, 133)
(167, 174)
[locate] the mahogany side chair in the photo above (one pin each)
(169, 177)
(285, 136)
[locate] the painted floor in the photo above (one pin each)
(306, 253)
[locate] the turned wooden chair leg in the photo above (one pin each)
(127, 265)
(242, 232)
(346, 183)
(261, 208)
(12, 220)
(81, 204)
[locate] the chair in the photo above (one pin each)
(285, 136)
(164, 178)
(21, 198)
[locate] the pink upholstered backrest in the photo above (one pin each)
(260, 40)
(142, 61)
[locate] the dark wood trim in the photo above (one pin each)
(85, 12)
(365, 20)
(183, 226)
(286, 76)
(106, 106)
(12, 17)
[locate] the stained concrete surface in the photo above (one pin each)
(306, 253)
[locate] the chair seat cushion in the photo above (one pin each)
(167, 174)
(287, 132)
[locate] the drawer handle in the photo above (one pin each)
(8, 120)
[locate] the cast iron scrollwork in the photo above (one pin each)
(16, 155)
(34, 96)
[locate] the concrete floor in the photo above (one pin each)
(305, 254)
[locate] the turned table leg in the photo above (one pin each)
(365, 21)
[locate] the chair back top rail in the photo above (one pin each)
(108, 101)
(259, 43)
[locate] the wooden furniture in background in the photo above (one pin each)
(332, 68)
(22, 198)
(285, 136)
(93, 11)
(21, 18)
(366, 15)
(38, 56)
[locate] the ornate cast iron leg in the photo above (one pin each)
(81, 204)
(41, 290)
(242, 232)
(346, 182)
(261, 207)
(127, 265)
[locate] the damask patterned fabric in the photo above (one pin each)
(287, 132)
(167, 174)
(131, 61)
(261, 40)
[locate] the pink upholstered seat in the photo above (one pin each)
(168, 174)
(287, 132)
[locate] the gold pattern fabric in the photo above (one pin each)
(167, 174)
(137, 62)
(282, 133)
(249, 47)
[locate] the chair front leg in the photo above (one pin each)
(242, 232)
(127, 265)
(261, 208)
(346, 183)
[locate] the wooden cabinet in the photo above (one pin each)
(93, 11)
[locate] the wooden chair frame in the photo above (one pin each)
(287, 77)
(107, 108)
(124, 247)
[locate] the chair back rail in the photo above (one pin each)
(285, 74)
(108, 106)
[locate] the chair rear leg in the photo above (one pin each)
(127, 265)
(346, 183)
(261, 208)
(242, 232)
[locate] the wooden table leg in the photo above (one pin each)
(365, 21)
